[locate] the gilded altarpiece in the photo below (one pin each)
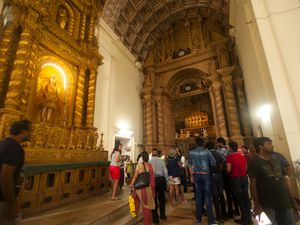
(48, 66)
(194, 59)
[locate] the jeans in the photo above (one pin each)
(218, 195)
(280, 216)
(240, 190)
(203, 184)
(229, 197)
(160, 200)
(4, 220)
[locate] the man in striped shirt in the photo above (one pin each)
(285, 165)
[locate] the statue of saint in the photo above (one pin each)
(224, 58)
(176, 135)
(50, 99)
(204, 134)
(188, 134)
(212, 65)
(62, 18)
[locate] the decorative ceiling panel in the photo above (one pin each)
(139, 23)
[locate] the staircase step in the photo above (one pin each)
(125, 220)
(118, 212)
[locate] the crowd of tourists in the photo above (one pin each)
(222, 175)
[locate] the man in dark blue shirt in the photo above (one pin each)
(217, 182)
(11, 171)
(200, 161)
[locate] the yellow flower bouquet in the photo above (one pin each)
(131, 206)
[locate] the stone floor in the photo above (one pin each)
(101, 210)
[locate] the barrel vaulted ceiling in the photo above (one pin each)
(139, 23)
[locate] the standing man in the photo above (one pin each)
(217, 182)
(200, 161)
(224, 152)
(269, 189)
(161, 179)
(237, 170)
(11, 171)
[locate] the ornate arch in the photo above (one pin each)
(187, 80)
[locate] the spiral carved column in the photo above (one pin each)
(79, 97)
(148, 119)
(91, 99)
(17, 78)
(83, 24)
(159, 120)
(233, 121)
(91, 29)
(220, 113)
(6, 42)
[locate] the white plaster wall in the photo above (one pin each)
(117, 91)
(258, 83)
(278, 25)
(267, 39)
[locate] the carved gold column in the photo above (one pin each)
(7, 38)
(79, 98)
(231, 109)
(18, 78)
(91, 98)
(243, 108)
(83, 24)
(91, 29)
(220, 113)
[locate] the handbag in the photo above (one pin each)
(143, 179)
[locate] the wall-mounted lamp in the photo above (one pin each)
(264, 113)
(124, 133)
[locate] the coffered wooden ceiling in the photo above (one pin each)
(139, 23)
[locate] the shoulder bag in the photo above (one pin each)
(143, 179)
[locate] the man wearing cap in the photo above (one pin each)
(161, 178)
(200, 161)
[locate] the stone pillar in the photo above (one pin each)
(201, 32)
(159, 119)
(168, 124)
(148, 120)
(213, 104)
(220, 113)
(188, 30)
(79, 97)
(17, 77)
(230, 104)
(91, 98)
(243, 107)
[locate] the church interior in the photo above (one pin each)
(91, 74)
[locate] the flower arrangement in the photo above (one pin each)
(131, 206)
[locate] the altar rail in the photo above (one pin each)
(51, 185)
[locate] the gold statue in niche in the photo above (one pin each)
(51, 95)
(62, 18)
